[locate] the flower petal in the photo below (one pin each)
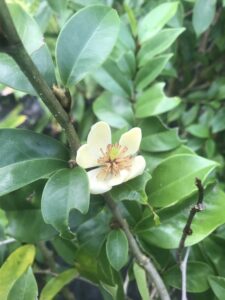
(119, 178)
(131, 140)
(86, 158)
(99, 137)
(137, 168)
(97, 185)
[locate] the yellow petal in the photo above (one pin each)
(97, 185)
(86, 158)
(131, 140)
(137, 168)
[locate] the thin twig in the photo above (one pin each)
(13, 46)
(187, 228)
(183, 268)
(8, 241)
(142, 260)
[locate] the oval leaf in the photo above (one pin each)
(174, 178)
(55, 285)
(64, 191)
(217, 284)
(94, 32)
(117, 249)
(142, 283)
(15, 266)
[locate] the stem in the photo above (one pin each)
(142, 260)
(8, 241)
(183, 268)
(15, 48)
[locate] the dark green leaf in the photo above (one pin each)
(64, 191)
(217, 284)
(198, 130)
(142, 283)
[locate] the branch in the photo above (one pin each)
(183, 268)
(13, 46)
(142, 260)
(187, 228)
(8, 241)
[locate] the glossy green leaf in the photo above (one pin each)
(64, 191)
(25, 287)
(155, 20)
(14, 267)
(113, 79)
(153, 102)
(217, 284)
(117, 249)
(197, 273)
(142, 283)
(30, 33)
(157, 44)
(203, 15)
(149, 72)
(54, 285)
(82, 54)
(173, 219)
(162, 141)
(198, 130)
(218, 121)
(25, 145)
(174, 178)
(114, 110)
(17, 175)
(20, 220)
(133, 190)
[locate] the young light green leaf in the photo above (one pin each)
(153, 102)
(157, 44)
(64, 191)
(19, 174)
(149, 72)
(14, 267)
(173, 219)
(117, 249)
(25, 287)
(82, 53)
(155, 20)
(32, 38)
(174, 178)
(55, 284)
(142, 283)
(199, 130)
(203, 15)
(114, 110)
(113, 79)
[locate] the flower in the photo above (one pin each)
(113, 163)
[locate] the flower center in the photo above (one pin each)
(113, 160)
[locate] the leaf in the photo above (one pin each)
(25, 287)
(149, 72)
(157, 44)
(198, 130)
(117, 249)
(153, 102)
(22, 173)
(140, 277)
(14, 267)
(174, 178)
(162, 141)
(54, 285)
(25, 145)
(203, 15)
(133, 190)
(173, 219)
(197, 273)
(113, 79)
(218, 121)
(114, 110)
(32, 38)
(20, 220)
(64, 191)
(13, 119)
(217, 284)
(82, 54)
(155, 20)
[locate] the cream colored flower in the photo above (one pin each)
(114, 163)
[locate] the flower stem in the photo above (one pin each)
(142, 260)
(13, 46)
